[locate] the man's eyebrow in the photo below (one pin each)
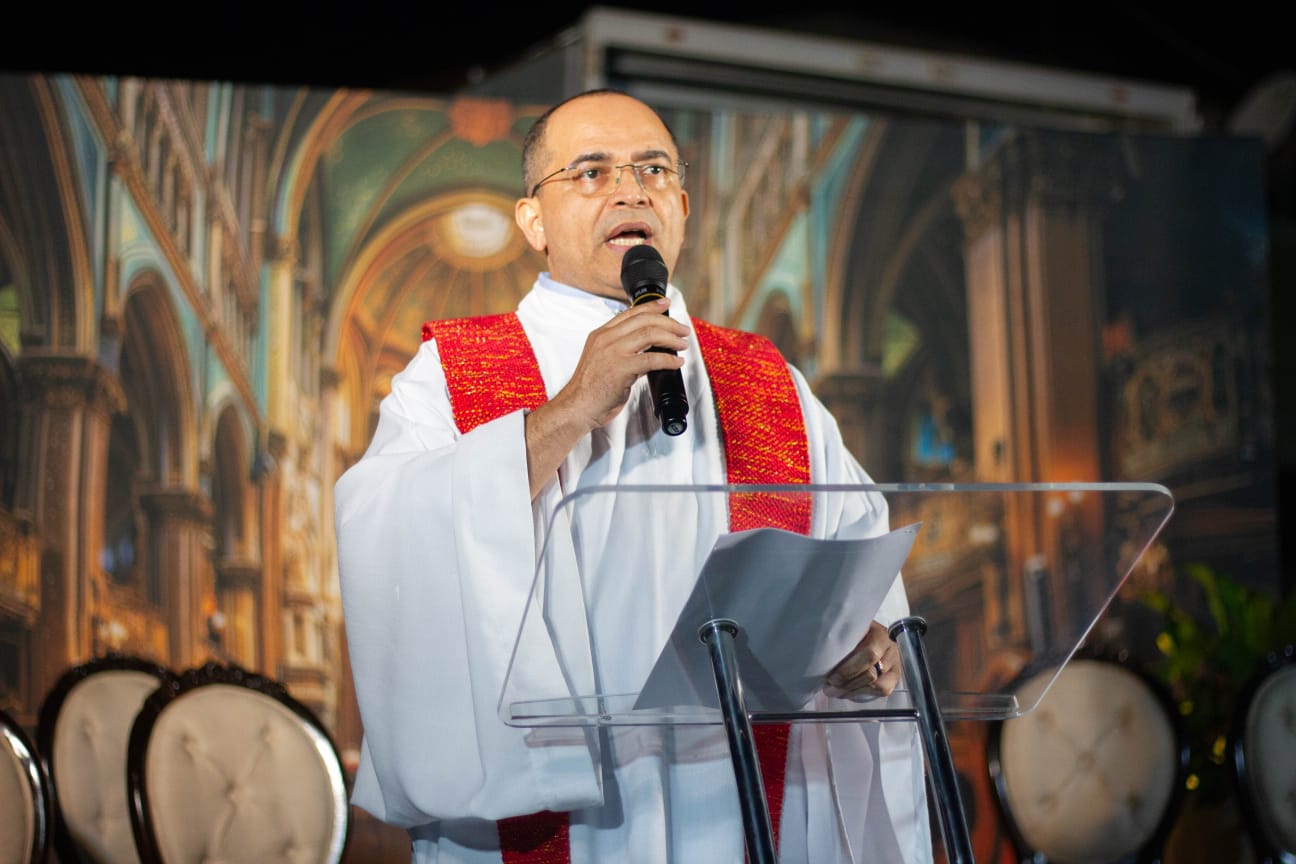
(600, 156)
(591, 157)
(650, 154)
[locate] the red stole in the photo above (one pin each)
(491, 371)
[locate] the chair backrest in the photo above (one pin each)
(1095, 773)
(25, 799)
(1263, 745)
(227, 766)
(82, 733)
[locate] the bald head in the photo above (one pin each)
(535, 155)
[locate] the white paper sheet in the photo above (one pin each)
(801, 604)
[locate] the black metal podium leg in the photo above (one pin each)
(940, 762)
(718, 635)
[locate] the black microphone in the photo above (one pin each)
(643, 276)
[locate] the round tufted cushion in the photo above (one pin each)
(1089, 772)
(235, 775)
(17, 808)
(89, 760)
(1271, 755)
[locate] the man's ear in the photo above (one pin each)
(684, 202)
(528, 217)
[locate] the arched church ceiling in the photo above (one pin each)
(916, 161)
(931, 296)
(139, 259)
(157, 379)
(290, 109)
(37, 193)
(788, 271)
(903, 214)
(292, 113)
(87, 156)
(395, 153)
(413, 204)
(456, 254)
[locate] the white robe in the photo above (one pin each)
(438, 544)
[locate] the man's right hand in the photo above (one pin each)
(614, 357)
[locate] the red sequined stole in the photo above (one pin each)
(764, 443)
(489, 367)
(491, 371)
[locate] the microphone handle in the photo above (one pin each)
(666, 386)
(670, 403)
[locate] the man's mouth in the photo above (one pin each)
(629, 236)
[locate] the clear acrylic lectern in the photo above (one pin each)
(647, 609)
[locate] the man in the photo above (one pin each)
(440, 526)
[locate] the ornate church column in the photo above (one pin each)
(1032, 221)
(236, 620)
(279, 323)
(180, 521)
(278, 320)
(1032, 214)
(67, 408)
(853, 398)
(269, 482)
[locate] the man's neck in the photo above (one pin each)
(549, 283)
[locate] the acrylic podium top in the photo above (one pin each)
(996, 571)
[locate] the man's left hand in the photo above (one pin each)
(857, 674)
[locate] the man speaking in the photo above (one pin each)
(439, 526)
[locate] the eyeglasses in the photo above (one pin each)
(596, 178)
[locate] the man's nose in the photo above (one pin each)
(629, 191)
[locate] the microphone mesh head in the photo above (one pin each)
(643, 274)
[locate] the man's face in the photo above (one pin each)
(586, 237)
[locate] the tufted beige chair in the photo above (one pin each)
(82, 732)
(1263, 744)
(1094, 774)
(25, 799)
(227, 767)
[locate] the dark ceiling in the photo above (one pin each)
(1221, 51)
